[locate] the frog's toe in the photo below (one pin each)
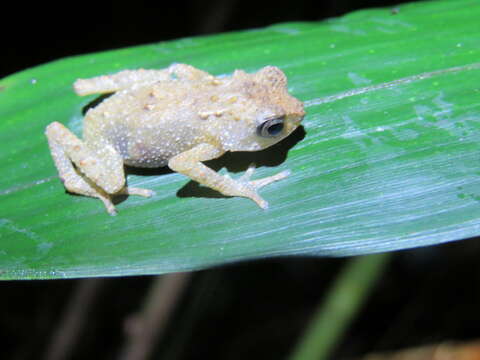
(248, 174)
(137, 191)
(108, 204)
(257, 184)
(260, 202)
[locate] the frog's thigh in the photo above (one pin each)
(104, 171)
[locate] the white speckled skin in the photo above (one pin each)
(178, 116)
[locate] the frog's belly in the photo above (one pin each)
(147, 160)
(150, 147)
(141, 140)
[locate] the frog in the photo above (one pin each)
(179, 117)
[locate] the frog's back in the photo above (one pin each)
(147, 125)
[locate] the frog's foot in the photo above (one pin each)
(190, 164)
(136, 191)
(251, 186)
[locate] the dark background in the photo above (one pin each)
(254, 310)
(37, 32)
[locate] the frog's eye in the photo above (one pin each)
(271, 127)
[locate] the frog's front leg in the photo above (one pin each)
(98, 174)
(189, 163)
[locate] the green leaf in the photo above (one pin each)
(388, 158)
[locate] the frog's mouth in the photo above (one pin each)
(299, 118)
(292, 122)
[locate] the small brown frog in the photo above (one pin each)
(179, 116)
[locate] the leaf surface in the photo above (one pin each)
(388, 156)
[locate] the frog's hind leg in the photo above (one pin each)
(115, 82)
(72, 179)
(127, 78)
(95, 175)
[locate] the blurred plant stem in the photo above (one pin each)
(145, 329)
(337, 311)
(73, 320)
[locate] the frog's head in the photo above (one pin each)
(269, 113)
